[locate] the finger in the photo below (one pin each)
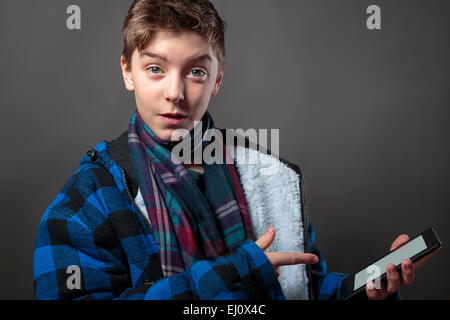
(372, 292)
(400, 240)
(393, 279)
(266, 239)
(408, 272)
(291, 258)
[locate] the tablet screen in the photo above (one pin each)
(395, 257)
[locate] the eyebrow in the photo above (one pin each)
(164, 58)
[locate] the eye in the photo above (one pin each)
(198, 73)
(155, 69)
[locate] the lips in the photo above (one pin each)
(174, 115)
(172, 118)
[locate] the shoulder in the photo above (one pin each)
(90, 188)
(86, 192)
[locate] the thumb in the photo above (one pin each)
(399, 241)
(266, 239)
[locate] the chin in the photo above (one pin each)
(167, 134)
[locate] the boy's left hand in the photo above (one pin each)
(394, 280)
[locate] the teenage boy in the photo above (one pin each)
(131, 223)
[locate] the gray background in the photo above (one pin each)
(365, 113)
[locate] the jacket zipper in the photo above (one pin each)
(306, 233)
(130, 198)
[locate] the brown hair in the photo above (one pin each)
(147, 16)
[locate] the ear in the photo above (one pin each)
(127, 74)
(218, 82)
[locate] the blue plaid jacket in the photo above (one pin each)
(93, 227)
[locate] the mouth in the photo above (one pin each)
(172, 118)
(173, 115)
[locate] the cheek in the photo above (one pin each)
(146, 93)
(199, 96)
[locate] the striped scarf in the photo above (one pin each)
(188, 225)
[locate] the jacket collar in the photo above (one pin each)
(118, 150)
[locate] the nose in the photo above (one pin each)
(174, 89)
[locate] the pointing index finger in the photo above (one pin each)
(291, 258)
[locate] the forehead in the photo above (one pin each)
(176, 46)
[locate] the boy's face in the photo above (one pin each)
(177, 73)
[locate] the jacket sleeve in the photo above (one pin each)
(327, 286)
(66, 248)
(243, 274)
